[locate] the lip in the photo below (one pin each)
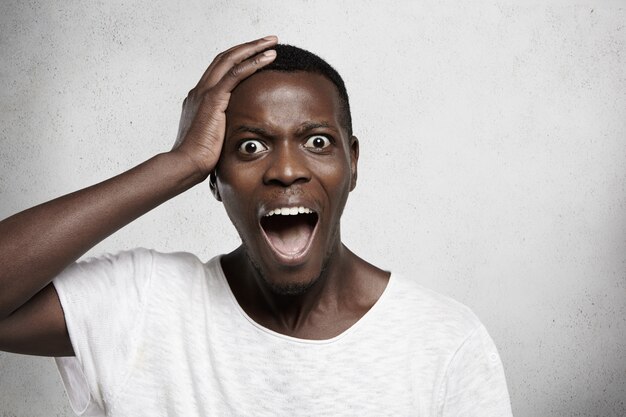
(290, 259)
(264, 209)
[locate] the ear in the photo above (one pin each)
(354, 159)
(213, 186)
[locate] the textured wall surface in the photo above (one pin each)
(493, 157)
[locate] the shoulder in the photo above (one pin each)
(139, 264)
(453, 347)
(183, 275)
(430, 305)
(129, 268)
(176, 259)
(184, 266)
(430, 315)
(124, 258)
(141, 254)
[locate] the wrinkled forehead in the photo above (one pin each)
(281, 99)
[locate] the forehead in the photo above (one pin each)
(277, 99)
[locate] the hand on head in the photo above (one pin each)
(203, 122)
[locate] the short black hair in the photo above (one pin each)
(291, 59)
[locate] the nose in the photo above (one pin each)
(288, 165)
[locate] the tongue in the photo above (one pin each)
(288, 234)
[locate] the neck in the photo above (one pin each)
(294, 311)
(346, 289)
(291, 314)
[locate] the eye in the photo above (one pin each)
(251, 147)
(317, 142)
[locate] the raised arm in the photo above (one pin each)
(38, 243)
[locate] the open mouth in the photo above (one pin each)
(289, 230)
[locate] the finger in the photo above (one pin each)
(243, 70)
(224, 61)
(235, 55)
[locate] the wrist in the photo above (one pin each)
(185, 170)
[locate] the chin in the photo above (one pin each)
(289, 282)
(290, 288)
(293, 281)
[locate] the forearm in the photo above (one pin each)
(38, 243)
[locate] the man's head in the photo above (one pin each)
(291, 59)
(287, 166)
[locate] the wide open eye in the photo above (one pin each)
(317, 142)
(251, 146)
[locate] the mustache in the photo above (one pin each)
(287, 192)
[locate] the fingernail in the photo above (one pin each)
(270, 38)
(269, 53)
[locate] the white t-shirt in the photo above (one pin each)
(162, 335)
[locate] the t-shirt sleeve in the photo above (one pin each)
(475, 384)
(103, 301)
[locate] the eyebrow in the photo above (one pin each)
(251, 129)
(304, 128)
(308, 126)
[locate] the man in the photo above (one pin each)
(290, 323)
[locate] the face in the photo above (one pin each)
(285, 172)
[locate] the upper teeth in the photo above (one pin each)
(289, 211)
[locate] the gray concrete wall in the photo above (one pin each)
(493, 157)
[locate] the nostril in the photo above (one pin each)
(286, 182)
(286, 173)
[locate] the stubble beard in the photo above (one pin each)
(289, 288)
